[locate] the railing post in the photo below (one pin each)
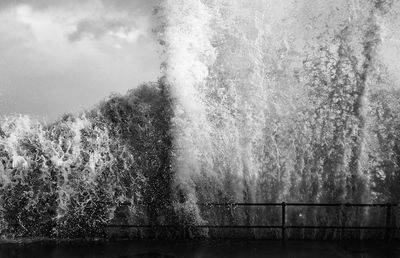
(388, 216)
(283, 227)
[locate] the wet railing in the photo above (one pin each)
(387, 228)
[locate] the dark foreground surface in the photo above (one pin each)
(199, 249)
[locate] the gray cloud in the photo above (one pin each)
(129, 5)
(121, 16)
(99, 27)
(44, 75)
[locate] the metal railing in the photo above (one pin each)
(282, 226)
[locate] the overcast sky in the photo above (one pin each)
(60, 56)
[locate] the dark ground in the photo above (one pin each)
(200, 249)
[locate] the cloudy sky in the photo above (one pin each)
(60, 56)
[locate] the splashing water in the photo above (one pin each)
(260, 116)
(260, 102)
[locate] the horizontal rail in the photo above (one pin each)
(287, 204)
(302, 204)
(191, 226)
(249, 227)
(342, 227)
(342, 204)
(239, 204)
(282, 227)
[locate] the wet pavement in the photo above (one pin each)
(200, 249)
